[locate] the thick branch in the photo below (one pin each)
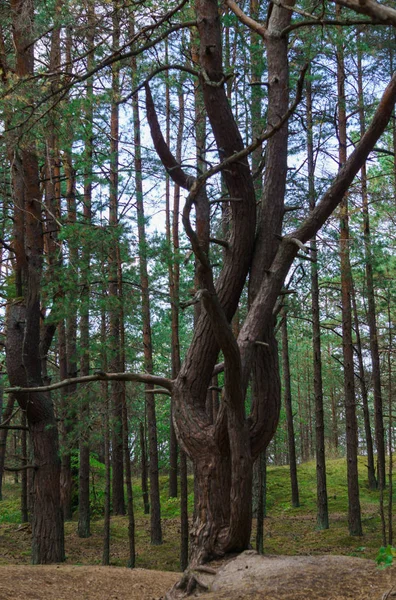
(261, 309)
(343, 180)
(238, 156)
(246, 20)
(137, 377)
(373, 9)
(171, 165)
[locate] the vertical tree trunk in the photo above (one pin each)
(5, 418)
(371, 313)
(84, 517)
(143, 455)
(262, 501)
(289, 412)
(322, 515)
(116, 387)
(155, 506)
(390, 425)
(354, 515)
(173, 267)
(23, 321)
(128, 481)
(106, 427)
(363, 389)
(24, 479)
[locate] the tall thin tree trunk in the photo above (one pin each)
(24, 479)
(155, 506)
(363, 389)
(289, 412)
(143, 462)
(390, 425)
(106, 428)
(354, 515)
(371, 313)
(322, 515)
(5, 417)
(116, 387)
(84, 517)
(173, 267)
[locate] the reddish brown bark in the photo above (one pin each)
(354, 516)
(372, 311)
(116, 387)
(289, 411)
(24, 323)
(322, 515)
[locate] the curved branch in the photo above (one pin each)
(153, 74)
(171, 165)
(137, 377)
(343, 180)
(266, 135)
(329, 22)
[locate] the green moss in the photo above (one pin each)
(287, 530)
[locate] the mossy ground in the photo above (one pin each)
(287, 530)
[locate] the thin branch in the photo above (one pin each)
(220, 242)
(24, 468)
(329, 22)
(153, 74)
(7, 246)
(136, 377)
(305, 257)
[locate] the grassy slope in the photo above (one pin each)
(287, 530)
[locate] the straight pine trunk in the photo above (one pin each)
(322, 515)
(354, 515)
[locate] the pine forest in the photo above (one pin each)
(197, 282)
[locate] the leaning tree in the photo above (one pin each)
(257, 250)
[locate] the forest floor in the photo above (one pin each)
(247, 577)
(293, 568)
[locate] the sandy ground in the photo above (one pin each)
(248, 577)
(61, 582)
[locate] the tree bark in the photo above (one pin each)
(223, 452)
(116, 387)
(371, 313)
(5, 417)
(84, 516)
(143, 462)
(354, 516)
(289, 412)
(322, 515)
(24, 319)
(155, 506)
(363, 389)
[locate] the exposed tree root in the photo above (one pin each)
(195, 579)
